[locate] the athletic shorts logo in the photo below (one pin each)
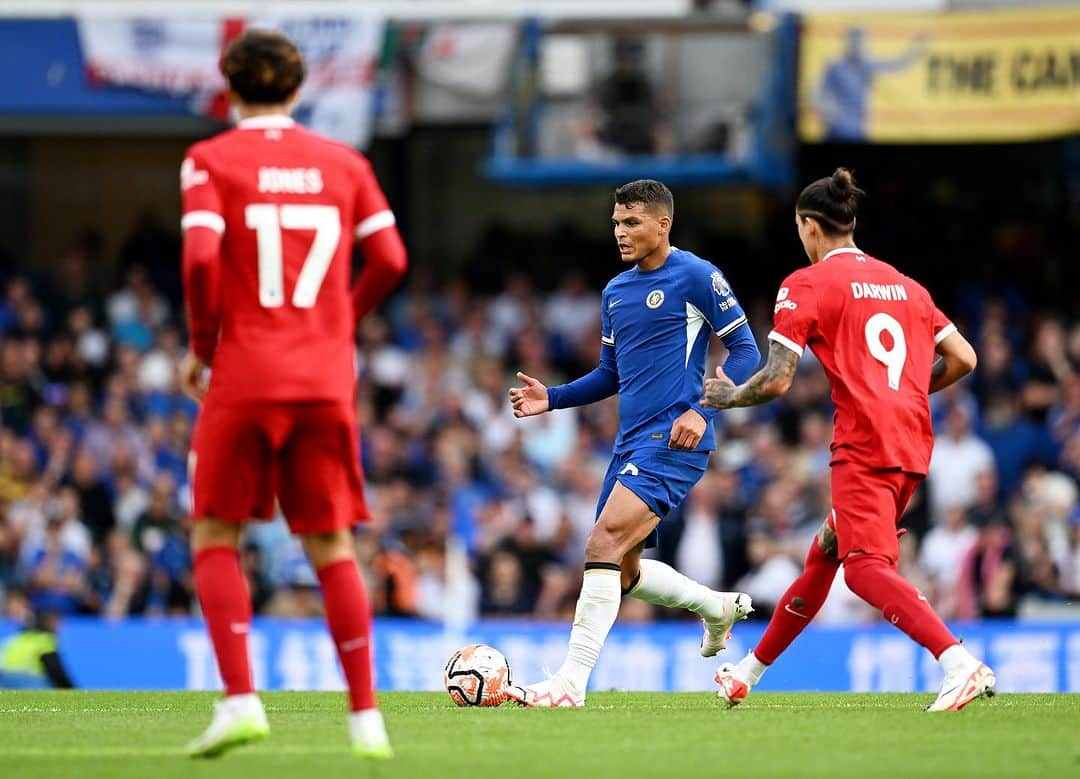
(720, 285)
(629, 468)
(655, 298)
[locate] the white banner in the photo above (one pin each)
(473, 58)
(180, 57)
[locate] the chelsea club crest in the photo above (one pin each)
(655, 298)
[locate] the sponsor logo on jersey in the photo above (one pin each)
(782, 301)
(720, 285)
(630, 469)
(655, 298)
(190, 176)
(614, 303)
(292, 181)
(861, 289)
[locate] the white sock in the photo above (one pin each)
(597, 607)
(750, 669)
(245, 704)
(367, 727)
(956, 658)
(662, 585)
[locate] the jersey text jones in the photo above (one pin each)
(292, 181)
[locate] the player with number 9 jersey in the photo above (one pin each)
(874, 330)
(885, 347)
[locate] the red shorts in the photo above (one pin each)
(306, 455)
(868, 505)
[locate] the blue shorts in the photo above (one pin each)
(660, 477)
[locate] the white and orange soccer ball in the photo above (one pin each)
(477, 675)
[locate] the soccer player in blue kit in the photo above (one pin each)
(656, 322)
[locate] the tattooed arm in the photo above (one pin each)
(770, 382)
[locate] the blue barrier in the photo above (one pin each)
(298, 655)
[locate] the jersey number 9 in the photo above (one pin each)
(893, 359)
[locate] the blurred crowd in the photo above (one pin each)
(477, 514)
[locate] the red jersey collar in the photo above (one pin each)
(265, 122)
(843, 250)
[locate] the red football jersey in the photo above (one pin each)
(288, 204)
(874, 331)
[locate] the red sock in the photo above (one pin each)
(348, 614)
(226, 605)
(805, 597)
(874, 579)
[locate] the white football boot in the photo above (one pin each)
(553, 693)
(730, 607)
(368, 733)
(733, 690)
(961, 687)
(238, 720)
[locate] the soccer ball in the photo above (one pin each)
(477, 675)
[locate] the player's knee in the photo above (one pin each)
(214, 532)
(860, 568)
(322, 549)
(603, 546)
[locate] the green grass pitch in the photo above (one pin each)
(141, 734)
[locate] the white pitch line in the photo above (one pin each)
(63, 754)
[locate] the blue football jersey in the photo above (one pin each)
(659, 324)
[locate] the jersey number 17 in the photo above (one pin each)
(268, 220)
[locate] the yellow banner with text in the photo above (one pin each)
(957, 77)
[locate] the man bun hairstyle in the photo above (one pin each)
(833, 201)
(649, 192)
(263, 67)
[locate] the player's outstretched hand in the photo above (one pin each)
(718, 391)
(529, 399)
(192, 377)
(687, 431)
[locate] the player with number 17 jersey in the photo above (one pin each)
(274, 314)
(271, 213)
(288, 204)
(873, 329)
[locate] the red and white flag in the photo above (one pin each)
(179, 56)
(470, 57)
